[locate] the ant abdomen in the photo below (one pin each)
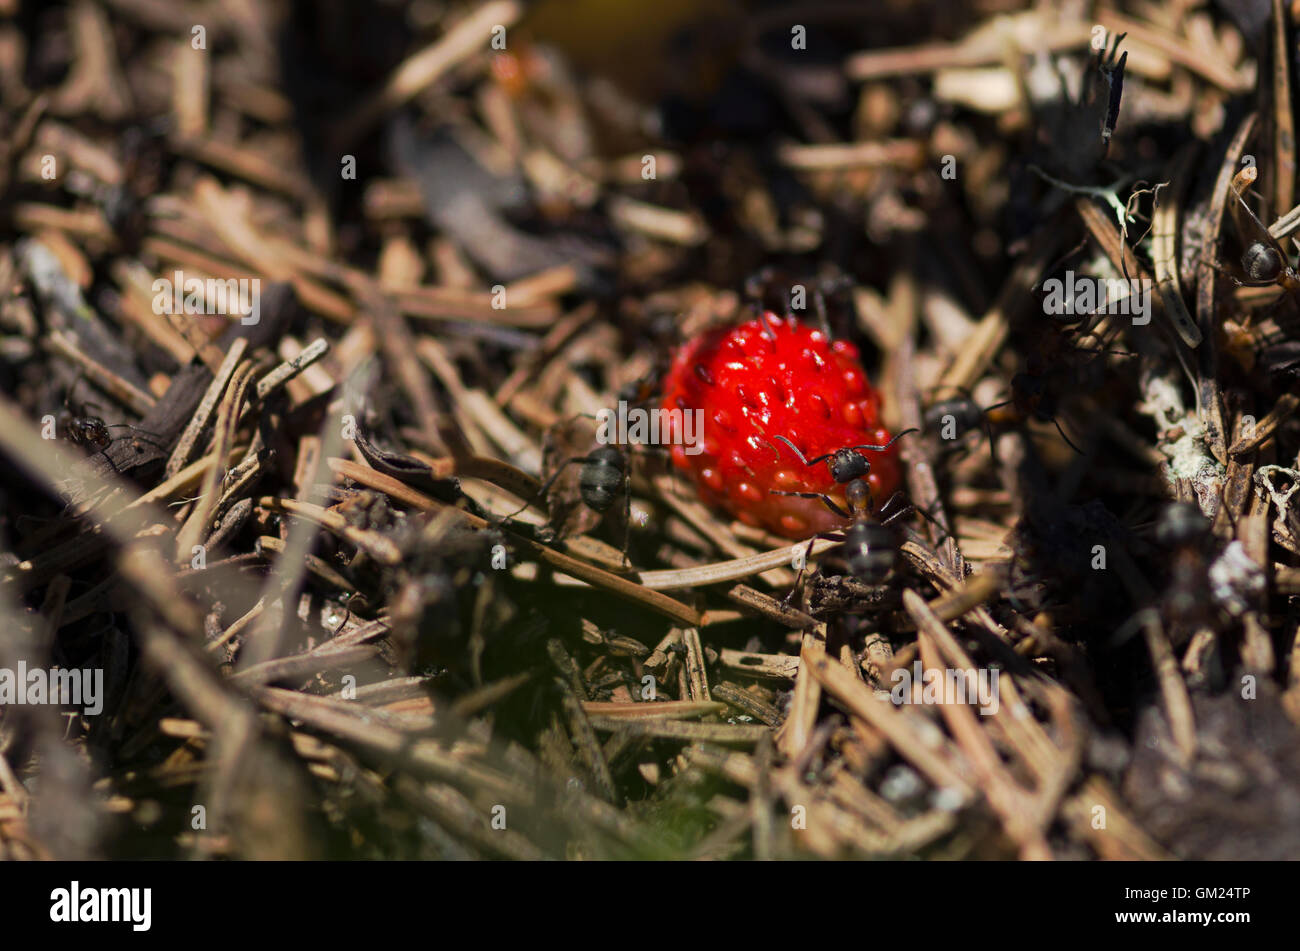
(961, 414)
(1261, 263)
(602, 477)
(871, 551)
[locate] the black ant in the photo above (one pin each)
(1033, 397)
(773, 290)
(1264, 261)
(871, 549)
(845, 465)
(603, 474)
(1030, 399)
(92, 433)
(955, 417)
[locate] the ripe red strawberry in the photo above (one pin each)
(773, 377)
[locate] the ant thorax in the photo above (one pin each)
(857, 494)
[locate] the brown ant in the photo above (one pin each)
(88, 432)
(91, 432)
(1030, 399)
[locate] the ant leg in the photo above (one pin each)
(627, 516)
(107, 458)
(826, 500)
(542, 492)
(988, 432)
(819, 302)
(1229, 275)
(1067, 439)
(803, 565)
(909, 508)
(988, 428)
(1068, 254)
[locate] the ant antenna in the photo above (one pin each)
(828, 455)
(541, 493)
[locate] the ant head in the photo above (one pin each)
(847, 465)
(1028, 386)
(1262, 263)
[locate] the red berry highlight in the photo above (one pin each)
(775, 377)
